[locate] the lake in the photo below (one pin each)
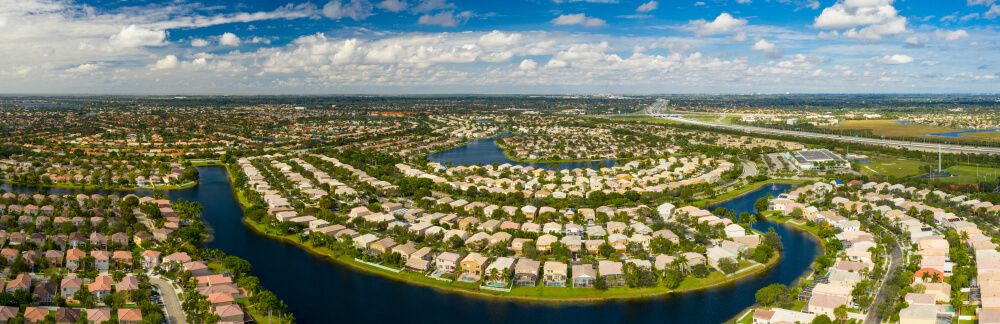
(486, 151)
(320, 291)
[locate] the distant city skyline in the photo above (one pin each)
(509, 47)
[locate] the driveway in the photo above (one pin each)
(171, 304)
(895, 261)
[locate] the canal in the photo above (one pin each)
(320, 291)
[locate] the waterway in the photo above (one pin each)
(320, 291)
(950, 134)
(486, 151)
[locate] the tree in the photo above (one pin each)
(771, 294)
(841, 313)
(728, 265)
(822, 319)
(760, 205)
(237, 266)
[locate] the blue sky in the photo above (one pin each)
(513, 46)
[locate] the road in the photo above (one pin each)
(895, 261)
(749, 169)
(171, 304)
(949, 148)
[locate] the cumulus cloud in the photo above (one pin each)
(912, 40)
(229, 39)
(930, 63)
(893, 59)
(579, 19)
(355, 9)
(425, 6)
(767, 48)
(166, 63)
(647, 7)
(877, 17)
(528, 64)
(84, 68)
(950, 35)
(445, 19)
(134, 36)
(497, 39)
(723, 24)
(198, 42)
(393, 5)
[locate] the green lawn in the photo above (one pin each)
(893, 167)
(889, 128)
(742, 190)
(967, 174)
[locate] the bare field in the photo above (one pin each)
(889, 128)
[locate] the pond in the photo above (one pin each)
(486, 151)
(320, 291)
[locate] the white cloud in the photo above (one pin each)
(993, 12)
(893, 59)
(743, 1)
(84, 68)
(198, 42)
(166, 63)
(497, 39)
(445, 19)
(3, 21)
(426, 6)
(739, 37)
(647, 7)
(259, 40)
(134, 36)
(950, 35)
(828, 35)
(767, 48)
(393, 5)
(556, 63)
(981, 2)
(723, 24)
(930, 63)
(763, 45)
(229, 39)
(579, 19)
(912, 40)
(878, 17)
(528, 64)
(356, 9)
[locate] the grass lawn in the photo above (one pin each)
(889, 128)
(742, 190)
(893, 167)
(216, 267)
(983, 135)
(967, 174)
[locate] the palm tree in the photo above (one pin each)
(494, 275)
(936, 277)
(841, 313)
(964, 237)
(925, 276)
(752, 219)
(682, 261)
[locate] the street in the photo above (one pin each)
(895, 260)
(171, 304)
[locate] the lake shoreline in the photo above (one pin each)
(257, 229)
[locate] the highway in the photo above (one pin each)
(948, 148)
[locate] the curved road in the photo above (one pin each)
(890, 143)
(171, 304)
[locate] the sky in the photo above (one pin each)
(499, 46)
